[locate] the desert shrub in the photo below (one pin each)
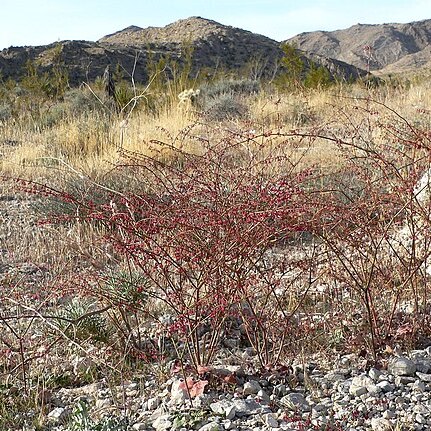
(198, 233)
(229, 86)
(226, 106)
(376, 236)
(318, 77)
(5, 111)
(81, 100)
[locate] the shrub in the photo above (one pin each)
(225, 107)
(5, 111)
(231, 86)
(383, 275)
(198, 232)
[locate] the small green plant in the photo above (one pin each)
(81, 320)
(80, 420)
(191, 419)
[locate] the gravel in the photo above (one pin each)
(350, 396)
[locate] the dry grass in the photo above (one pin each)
(90, 142)
(87, 145)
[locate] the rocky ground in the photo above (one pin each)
(345, 396)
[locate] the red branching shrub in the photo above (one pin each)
(199, 228)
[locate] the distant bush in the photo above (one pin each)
(231, 86)
(226, 106)
(5, 112)
(79, 100)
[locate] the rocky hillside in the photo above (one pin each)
(214, 47)
(385, 47)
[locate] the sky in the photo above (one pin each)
(40, 22)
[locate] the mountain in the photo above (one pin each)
(213, 46)
(381, 47)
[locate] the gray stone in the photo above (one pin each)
(230, 412)
(418, 386)
(401, 366)
(388, 415)
(139, 426)
(404, 380)
(280, 390)
(295, 401)
(374, 373)
(385, 386)
(246, 407)
(424, 377)
(252, 387)
(423, 365)
(270, 420)
(211, 426)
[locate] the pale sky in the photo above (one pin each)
(39, 22)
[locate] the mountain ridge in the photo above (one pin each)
(217, 46)
(377, 46)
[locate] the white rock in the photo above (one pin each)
(162, 423)
(58, 414)
(294, 401)
(139, 426)
(230, 412)
(420, 419)
(153, 403)
(224, 408)
(103, 403)
(380, 424)
(227, 424)
(359, 385)
(178, 392)
(263, 395)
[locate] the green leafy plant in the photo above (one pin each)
(80, 420)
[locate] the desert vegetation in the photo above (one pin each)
(148, 233)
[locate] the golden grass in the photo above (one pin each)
(89, 143)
